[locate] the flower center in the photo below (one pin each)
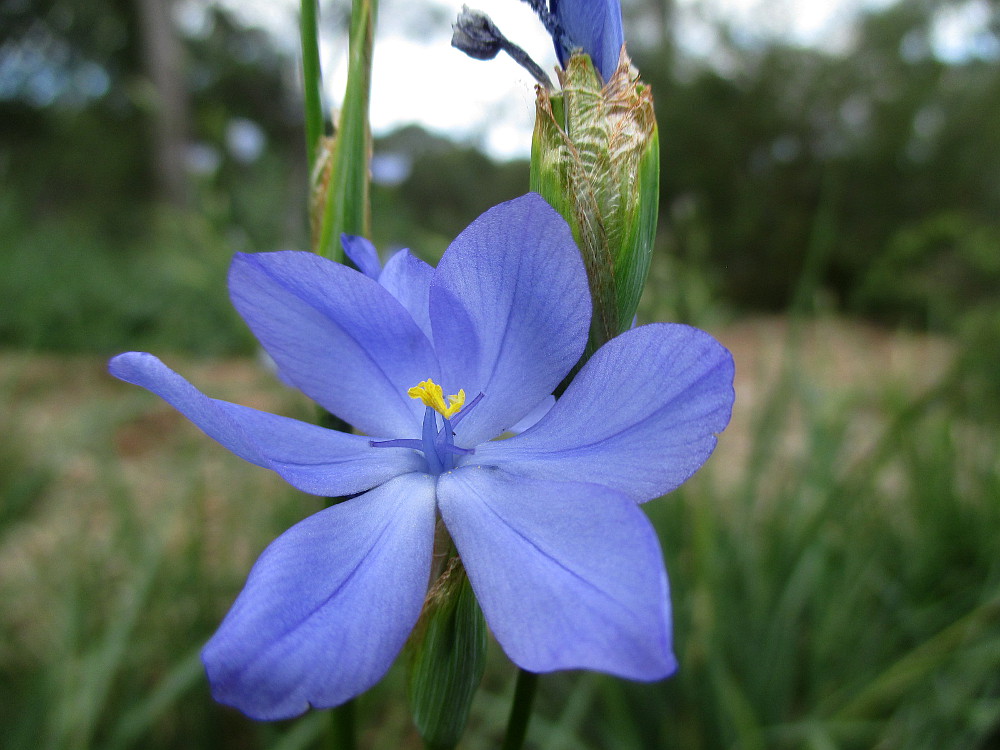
(437, 441)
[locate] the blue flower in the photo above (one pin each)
(595, 26)
(565, 564)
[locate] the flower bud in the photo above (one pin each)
(447, 658)
(595, 158)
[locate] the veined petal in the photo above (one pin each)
(593, 25)
(336, 335)
(313, 459)
(328, 605)
(569, 575)
(510, 309)
(408, 279)
(362, 254)
(641, 416)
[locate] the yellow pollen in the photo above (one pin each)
(431, 394)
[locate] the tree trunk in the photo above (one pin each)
(163, 57)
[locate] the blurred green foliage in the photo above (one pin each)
(64, 288)
(885, 136)
(897, 148)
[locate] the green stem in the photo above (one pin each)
(347, 208)
(341, 735)
(312, 79)
(520, 710)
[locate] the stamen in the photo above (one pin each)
(399, 443)
(461, 415)
(431, 394)
(449, 448)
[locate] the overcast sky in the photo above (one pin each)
(419, 78)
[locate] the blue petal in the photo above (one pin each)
(640, 417)
(593, 25)
(328, 605)
(510, 309)
(530, 419)
(569, 575)
(408, 279)
(362, 254)
(314, 459)
(336, 335)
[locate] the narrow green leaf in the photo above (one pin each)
(312, 79)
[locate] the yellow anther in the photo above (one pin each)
(431, 394)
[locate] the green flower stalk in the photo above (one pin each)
(340, 189)
(595, 157)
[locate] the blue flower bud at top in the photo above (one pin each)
(593, 26)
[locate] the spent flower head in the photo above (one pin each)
(432, 365)
(590, 27)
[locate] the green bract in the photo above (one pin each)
(595, 157)
(447, 659)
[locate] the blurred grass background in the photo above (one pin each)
(831, 217)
